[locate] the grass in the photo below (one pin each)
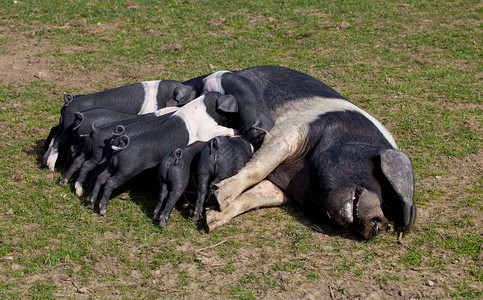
(415, 65)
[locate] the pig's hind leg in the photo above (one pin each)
(111, 184)
(86, 167)
(100, 181)
(264, 194)
(76, 165)
(200, 195)
(177, 190)
(163, 192)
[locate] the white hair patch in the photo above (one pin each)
(150, 103)
(212, 83)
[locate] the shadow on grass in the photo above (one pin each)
(38, 152)
(143, 191)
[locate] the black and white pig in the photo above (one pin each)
(99, 142)
(221, 158)
(173, 177)
(323, 152)
(137, 98)
(254, 119)
(200, 120)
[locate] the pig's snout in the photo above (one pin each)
(373, 225)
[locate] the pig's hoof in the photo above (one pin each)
(90, 204)
(223, 198)
(63, 181)
(196, 217)
(157, 214)
(212, 219)
(227, 191)
(163, 222)
(78, 189)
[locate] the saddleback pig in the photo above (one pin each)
(173, 177)
(323, 152)
(221, 158)
(253, 119)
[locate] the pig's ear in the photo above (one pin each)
(397, 189)
(214, 145)
(184, 94)
(227, 103)
(178, 153)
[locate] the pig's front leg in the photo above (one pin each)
(279, 144)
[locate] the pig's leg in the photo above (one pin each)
(76, 165)
(264, 194)
(177, 189)
(163, 192)
(279, 144)
(111, 184)
(86, 167)
(100, 181)
(200, 195)
(72, 153)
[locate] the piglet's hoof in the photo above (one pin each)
(78, 189)
(90, 204)
(102, 211)
(63, 181)
(163, 221)
(196, 217)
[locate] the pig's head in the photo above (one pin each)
(372, 194)
(253, 119)
(221, 108)
(171, 92)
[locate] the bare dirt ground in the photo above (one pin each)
(20, 62)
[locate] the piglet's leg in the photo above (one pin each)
(111, 184)
(163, 192)
(86, 167)
(76, 164)
(264, 194)
(100, 180)
(200, 196)
(279, 144)
(173, 197)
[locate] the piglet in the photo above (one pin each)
(173, 178)
(221, 158)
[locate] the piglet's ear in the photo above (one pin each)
(227, 103)
(178, 153)
(214, 145)
(184, 94)
(398, 171)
